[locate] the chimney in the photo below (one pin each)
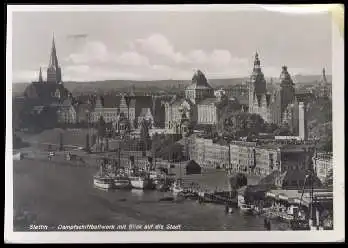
(302, 121)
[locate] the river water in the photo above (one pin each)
(53, 194)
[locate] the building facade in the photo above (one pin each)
(323, 166)
(199, 89)
(101, 109)
(269, 105)
(67, 113)
(199, 106)
(207, 153)
(208, 111)
(264, 157)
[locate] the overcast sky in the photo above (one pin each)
(169, 45)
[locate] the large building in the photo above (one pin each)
(52, 90)
(47, 96)
(199, 106)
(67, 112)
(133, 108)
(279, 106)
(180, 109)
(206, 153)
(264, 157)
(199, 89)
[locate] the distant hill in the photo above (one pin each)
(92, 86)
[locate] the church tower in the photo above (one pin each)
(323, 80)
(287, 89)
(325, 90)
(53, 71)
(40, 76)
(257, 84)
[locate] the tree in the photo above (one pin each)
(283, 130)
(238, 180)
(243, 124)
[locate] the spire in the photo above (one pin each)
(40, 76)
(323, 77)
(257, 62)
(53, 58)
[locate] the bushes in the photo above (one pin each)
(237, 181)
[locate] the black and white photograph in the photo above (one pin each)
(159, 124)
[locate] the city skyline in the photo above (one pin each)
(160, 46)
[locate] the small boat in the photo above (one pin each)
(121, 183)
(162, 186)
(103, 182)
(139, 182)
(176, 188)
(246, 209)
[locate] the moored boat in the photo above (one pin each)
(246, 209)
(176, 187)
(139, 182)
(103, 182)
(121, 182)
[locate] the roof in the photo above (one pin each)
(140, 102)
(208, 101)
(243, 99)
(199, 81)
(179, 101)
(44, 90)
(110, 101)
(192, 167)
(82, 108)
(192, 163)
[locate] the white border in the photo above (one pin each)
(188, 236)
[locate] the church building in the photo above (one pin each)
(52, 90)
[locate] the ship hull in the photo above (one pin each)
(103, 183)
(139, 183)
(122, 184)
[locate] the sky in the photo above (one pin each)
(139, 45)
